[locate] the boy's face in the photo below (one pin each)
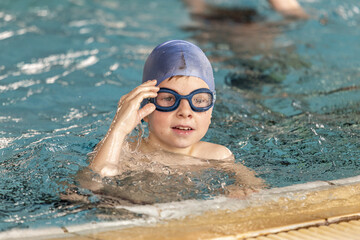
(179, 130)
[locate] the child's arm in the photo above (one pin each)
(246, 181)
(107, 153)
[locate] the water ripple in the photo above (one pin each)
(65, 60)
(20, 84)
(8, 34)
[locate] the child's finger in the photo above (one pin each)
(134, 95)
(146, 110)
(126, 106)
(142, 88)
(143, 95)
(237, 193)
(150, 82)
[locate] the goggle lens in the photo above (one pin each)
(202, 100)
(165, 99)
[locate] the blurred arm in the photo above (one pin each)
(288, 8)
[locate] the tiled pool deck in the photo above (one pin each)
(270, 211)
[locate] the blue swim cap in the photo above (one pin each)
(178, 58)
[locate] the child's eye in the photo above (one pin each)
(201, 100)
(165, 100)
(168, 99)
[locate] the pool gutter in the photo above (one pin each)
(270, 211)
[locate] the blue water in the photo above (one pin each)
(289, 111)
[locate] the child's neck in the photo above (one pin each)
(148, 145)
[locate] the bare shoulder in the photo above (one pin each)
(213, 151)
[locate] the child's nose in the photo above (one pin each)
(184, 109)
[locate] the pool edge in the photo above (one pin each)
(269, 211)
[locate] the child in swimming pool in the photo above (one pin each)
(176, 99)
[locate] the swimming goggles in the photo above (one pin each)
(168, 100)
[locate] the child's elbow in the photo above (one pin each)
(105, 170)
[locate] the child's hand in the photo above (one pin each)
(240, 192)
(129, 114)
(107, 153)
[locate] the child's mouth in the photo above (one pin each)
(182, 129)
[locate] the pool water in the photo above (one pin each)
(288, 106)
